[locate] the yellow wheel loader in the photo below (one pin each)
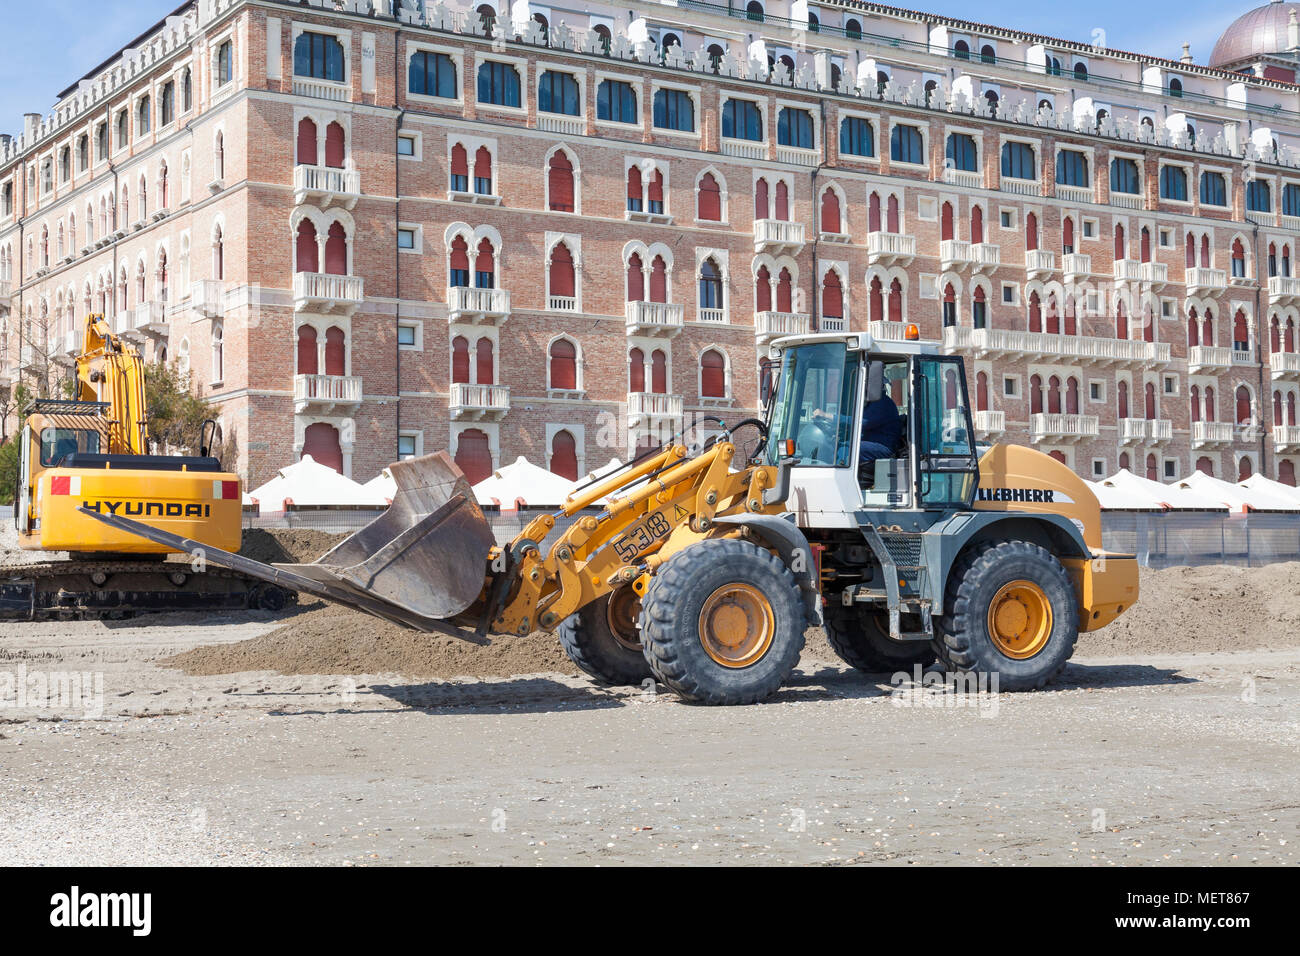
(703, 569)
(89, 454)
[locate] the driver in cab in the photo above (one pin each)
(882, 425)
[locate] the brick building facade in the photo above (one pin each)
(555, 233)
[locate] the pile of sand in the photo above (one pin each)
(287, 545)
(1181, 610)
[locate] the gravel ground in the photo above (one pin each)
(1131, 759)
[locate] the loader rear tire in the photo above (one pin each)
(1010, 609)
(860, 636)
(601, 639)
(723, 622)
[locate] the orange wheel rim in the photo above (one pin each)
(621, 613)
(737, 625)
(1020, 619)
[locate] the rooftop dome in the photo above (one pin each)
(1259, 31)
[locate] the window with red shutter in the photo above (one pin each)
(307, 358)
(782, 201)
(982, 392)
(655, 193)
(636, 371)
(784, 292)
(335, 146)
(460, 360)
(635, 279)
(308, 251)
(658, 280)
(564, 365)
(709, 200)
(1244, 469)
(713, 375)
(830, 215)
(474, 455)
(761, 199)
(1031, 231)
(306, 142)
(560, 182)
(895, 301)
(335, 351)
(658, 372)
(1243, 405)
(336, 251)
(1035, 395)
(832, 296)
(1285, 472)
(873, 213)
(459, 169)
(458, 263)
(562, 282)
(321, 441)
(1122, 399)
(763, 290)
(945, 222)
(485, 266)
(891, 214)
(483, 171)
(634, 189)
(564, 455)
(484, 360)
(976, 224)
(876, 301)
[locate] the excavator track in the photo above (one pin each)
(64, 590)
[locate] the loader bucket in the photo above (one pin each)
(427, 554)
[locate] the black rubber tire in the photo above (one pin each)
(965, 643)
(590, 643)
(860, 636)
(670, 616)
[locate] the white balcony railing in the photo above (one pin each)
(888, 248)
(208, 297)
(1261, 218)
(1205, 434)
(654, 318)
(1128, 270)
(148, 317)
(970, 178)
(832, 323)
(1155, 273)
(6, 291)
(1284, 364)
(478, 401)
(488, 306)
(1200, 280)
(1160, 429)
(325, 391)
(772, 325)
(1286, 436)
(1021, 187)
(990, 422)
(717, 316)
(1084, 348)
(1126, 200)
(744, 148)
(1132, 429)
(1243, 356)
(1208, 356)
(1076, 266)
(777, 234)
(327, 292)
(1062, 427)
(324, 185)
(643, 407)
(1075, 193)
(1283, 289)
(954, 254)
(796, 156)
(888, 331)
(321, 89)
(1039, 263)
(562, 303)
(559, 123)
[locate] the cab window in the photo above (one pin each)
(58, 443)
(816, 393)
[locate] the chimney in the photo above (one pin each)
(30, 123)
(1187, 53)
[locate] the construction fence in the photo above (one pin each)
(1159, 539)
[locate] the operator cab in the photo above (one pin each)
(871, 425)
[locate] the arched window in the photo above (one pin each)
(485, 265)
(906, 144)
(1240, 332)
(459, 176)
(432, 74)
(710, 285)
(320, 441)
(460, 360)
(830, 212)
(336, 250)
(1286, 472)
(1244, 416)
(564, 455)
(616, 102)
(658, 280)
(754, 11)
(1018, 161)
(1080, 71)
(946, 228)
(853, 29)
(1054, 395)
(306, 142)
(1067, 236)
(474, 455)
(187, 91)
(561, 273)
(219, 156)
(458, 264)
(307, 248)
(1238, 260)
(318, 55)
(979, 308)
(713, 374)
(218, 352)
(1194, 403)
(895, 301)
(1031, 231)
(832, 297)
(857, 137)
(498, 84)
(1121, 396)
(961, 50)
(559, 182)
(709, 199)
(1245, 468)
(976, 224)
(1035, 395)
(557, 92)
(487, 17)
(1124, 176)
(335, 146)
(307, 355)
(484, 361)
(784, 292)
(949, 306)
(563, 365)
(876, 300)
(635, 279)
(794, 127)
(218, 254)
(1035, 313)
(741, 119)
(961, 152)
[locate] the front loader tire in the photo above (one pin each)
(722, 622)
(1010, 609)
(601, 640)
(860, 636)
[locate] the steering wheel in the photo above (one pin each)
(749, 435)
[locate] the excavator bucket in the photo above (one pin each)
(426, 554)
(422, 561)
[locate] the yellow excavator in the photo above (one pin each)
(90, 454)
(707, 561)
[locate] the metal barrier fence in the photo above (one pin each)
(1159, 539)
(1167, 539)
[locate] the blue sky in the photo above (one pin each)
(49, 46)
